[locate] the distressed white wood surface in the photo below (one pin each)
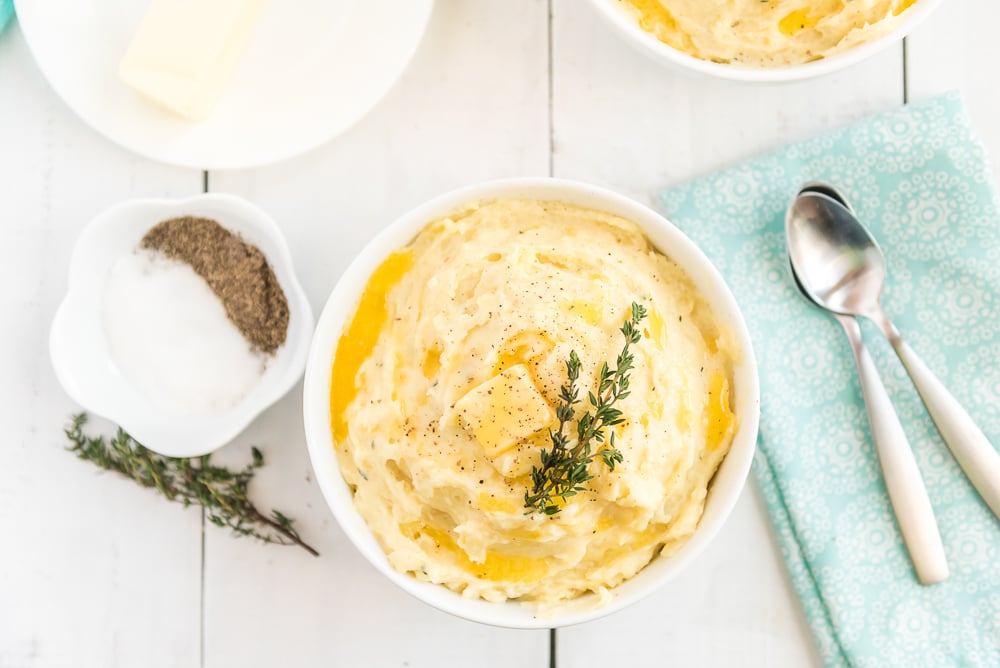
(958, 49)
(94, 572)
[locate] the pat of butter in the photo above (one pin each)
(185, 50)
(504, 410)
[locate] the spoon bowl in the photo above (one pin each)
(834, 194)
(838, 263)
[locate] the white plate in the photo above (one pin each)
(311, 69)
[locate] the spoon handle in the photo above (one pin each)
(967, 442)
(907, 493)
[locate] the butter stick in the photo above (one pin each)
(185, 51)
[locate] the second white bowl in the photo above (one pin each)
(626, 25)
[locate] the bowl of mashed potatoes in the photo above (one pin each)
(531, 402)
(763, 40)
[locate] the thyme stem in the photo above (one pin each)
(566, 467)
(221, 492)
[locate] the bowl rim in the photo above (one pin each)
(727, 484)
(176, 435)
(664, 53)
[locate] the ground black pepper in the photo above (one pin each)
(237, 272)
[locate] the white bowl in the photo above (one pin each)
(339, 308)
(618, 16)
(81, 355)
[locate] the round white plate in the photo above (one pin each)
(311, 69)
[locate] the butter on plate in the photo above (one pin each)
(185, 50)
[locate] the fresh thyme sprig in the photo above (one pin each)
(189, 481)
(566, 466)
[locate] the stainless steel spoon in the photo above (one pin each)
(846, 273)
(907, 493)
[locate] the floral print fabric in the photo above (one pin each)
(919, 180)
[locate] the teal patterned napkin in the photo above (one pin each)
(6, 12)
(919, 179)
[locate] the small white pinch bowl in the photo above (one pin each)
(626, 25)
(723, 492)
(81, 355)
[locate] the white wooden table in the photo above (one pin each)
(97, 572)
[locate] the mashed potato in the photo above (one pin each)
(446, 378)
(766, 33)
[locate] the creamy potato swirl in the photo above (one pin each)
(491, 300)
(766, 33)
